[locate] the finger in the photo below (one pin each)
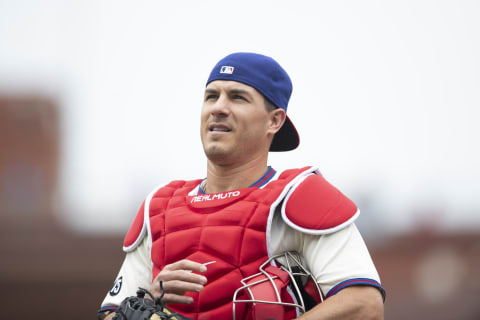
(174, 298)
(182, 275)
(186, 265)
(180, 287)
(176, 294)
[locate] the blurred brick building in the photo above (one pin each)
(430, 275)
(47, 272)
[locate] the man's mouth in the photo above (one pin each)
(218, 128)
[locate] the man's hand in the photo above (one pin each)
(178, 278)
(144, 306)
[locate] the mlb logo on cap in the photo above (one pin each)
(226, 69)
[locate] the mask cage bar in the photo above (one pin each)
(289, 256)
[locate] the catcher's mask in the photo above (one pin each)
(283, 289)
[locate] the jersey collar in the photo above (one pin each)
(257, 184)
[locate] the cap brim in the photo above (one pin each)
(286, 138)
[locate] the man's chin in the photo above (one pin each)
(218, 155)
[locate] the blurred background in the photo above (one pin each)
(100, 103)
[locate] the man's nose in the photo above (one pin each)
(221, 107)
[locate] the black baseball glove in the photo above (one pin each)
(141, 308)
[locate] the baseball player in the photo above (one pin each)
(247, 241)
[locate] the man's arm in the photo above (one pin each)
(109, 317)
(356, 302)
(335, 258)
(339, 261)
(135, 272)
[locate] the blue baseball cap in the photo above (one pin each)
(270, 79)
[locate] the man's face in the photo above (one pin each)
(235, 124)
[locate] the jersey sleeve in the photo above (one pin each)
(135, 272)
(340, 260)
(336, 260)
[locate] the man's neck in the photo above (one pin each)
(222, 178)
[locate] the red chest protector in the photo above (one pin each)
(230, 228)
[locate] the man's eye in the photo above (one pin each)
(239, 98)
(210, 96)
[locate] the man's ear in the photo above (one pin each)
(277, 119)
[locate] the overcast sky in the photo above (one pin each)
(386, 96)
